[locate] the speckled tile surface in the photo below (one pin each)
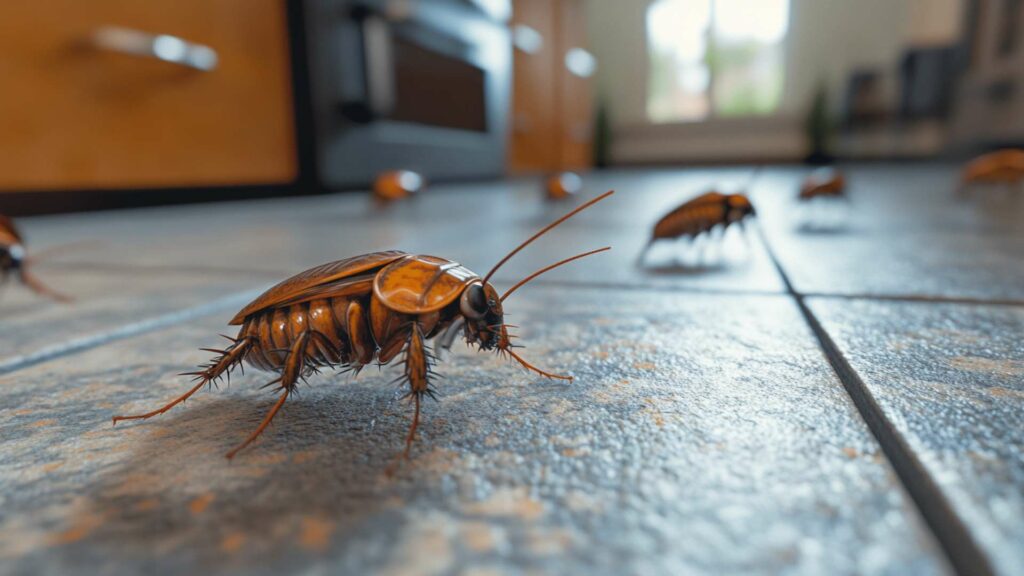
(703, 434)
(706, 432)
(951, 378)
(105, 300)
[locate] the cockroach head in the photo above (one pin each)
(739, 207)
(11, 257)
(480, 305)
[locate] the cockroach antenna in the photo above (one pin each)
(544, 231)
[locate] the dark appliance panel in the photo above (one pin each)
(413, 85)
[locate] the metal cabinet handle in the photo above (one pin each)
(160, 46)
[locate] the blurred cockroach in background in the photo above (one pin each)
(563, 185)
(700, 216)
(369, 308)
(396, 185)
(15, 261)
(1003, 167)
(823, 183)
(819, 211)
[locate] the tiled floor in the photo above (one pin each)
(870, 421)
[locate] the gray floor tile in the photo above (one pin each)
(105, 301)
(949, 378)
(702, 434)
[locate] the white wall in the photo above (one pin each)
(827, 40)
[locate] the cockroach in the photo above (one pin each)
(370, 308)
(823, 183)
(701, 215)
(15, 261)
(563, 185)
(1001, 167)
(396, 185)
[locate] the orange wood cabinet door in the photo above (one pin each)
(76, 114)
(534, 141)
(552, 109)
(576, 107)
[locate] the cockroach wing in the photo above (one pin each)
(999, 166)
(342, 276)
(8, 232)
(706, 207)
(706, 198)
(421, 284)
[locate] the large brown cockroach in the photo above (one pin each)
(14, 260)
(369, 308)
(701, 215)
(823, 183)
(1001, 167)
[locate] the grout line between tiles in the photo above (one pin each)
(90, 341)
(955, 539)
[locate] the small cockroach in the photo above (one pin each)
(15, 261)
(1001, 167)
(701, 215)
(396, 185)
(823, 183)
(563, 185)
(367, 309)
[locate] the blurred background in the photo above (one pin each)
(114, 103)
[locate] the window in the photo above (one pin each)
(715, 58)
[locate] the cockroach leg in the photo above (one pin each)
(294, 367)
(168, 406)
(641, 257)
(415, 424)
(225, 363)
(447, 338)
(39, 288)
(417, 371)
(266, 422)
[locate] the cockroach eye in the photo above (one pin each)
(473, 303)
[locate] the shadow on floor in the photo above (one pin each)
(302, 492)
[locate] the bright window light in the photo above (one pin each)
(715, 58)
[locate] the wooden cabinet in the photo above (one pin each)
(552, 103)
(75, 113)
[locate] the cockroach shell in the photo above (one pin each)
(999, 166)
(421, 284)
(825, 182)
(397, 184)
(563, 185)
(671, 225)
(740, 201)
(307, 282)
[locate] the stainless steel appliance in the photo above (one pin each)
(406, 84)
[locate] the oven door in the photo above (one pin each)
(411, 85)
